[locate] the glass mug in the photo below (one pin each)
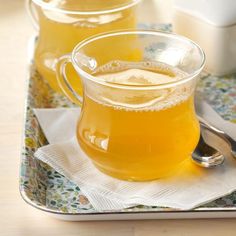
(137, 120)
(62, 24)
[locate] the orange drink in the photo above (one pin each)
(138, 120)
(65, 23)
(137, 143)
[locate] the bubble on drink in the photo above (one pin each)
(144, 76)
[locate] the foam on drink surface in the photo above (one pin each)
(140, 74)
(137, 77)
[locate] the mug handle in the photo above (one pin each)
(31, 12)
(64, 82)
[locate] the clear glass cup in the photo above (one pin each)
(137, 120)
(62, 24)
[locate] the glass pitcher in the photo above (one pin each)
(62, 24)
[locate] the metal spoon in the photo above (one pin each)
(221, 134)
(205, 155)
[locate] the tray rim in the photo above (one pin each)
(195, 213)
(196, 210)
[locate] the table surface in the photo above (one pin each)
(16, 217)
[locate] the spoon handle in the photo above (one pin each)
(221, 134)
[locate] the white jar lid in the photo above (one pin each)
(216, 12)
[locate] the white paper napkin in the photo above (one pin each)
(190, 187)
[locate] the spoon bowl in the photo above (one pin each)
(205, 155)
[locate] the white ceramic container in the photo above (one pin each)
(212, 24)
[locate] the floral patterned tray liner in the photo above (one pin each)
(46, 189)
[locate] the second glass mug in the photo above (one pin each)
(62, 24)
(137, 120)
